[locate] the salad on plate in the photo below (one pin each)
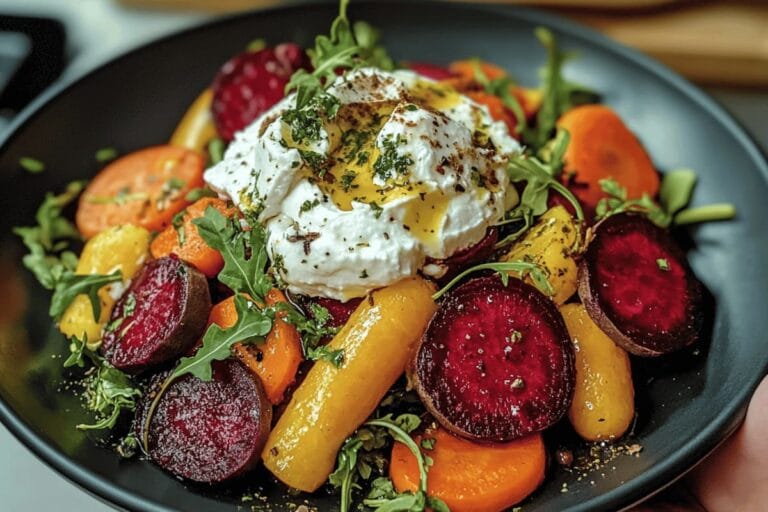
(385, 280)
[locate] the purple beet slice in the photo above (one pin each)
(209, 431)
(495, 362)
(159, 317)
(637, 286)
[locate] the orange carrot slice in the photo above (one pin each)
(145, 188)
(186, 242)
(472, 477)
(601, 147)
(277, 360)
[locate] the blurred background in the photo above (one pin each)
(720, 45)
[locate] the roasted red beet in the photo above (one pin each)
(636, 285)
(339, 311)
(495, 362)
(432, 71)
(250, 83)
(448, 268)
(209, 431)
(159, 317)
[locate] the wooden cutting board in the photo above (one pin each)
(712, 42)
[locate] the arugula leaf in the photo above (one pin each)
(522, 268)
(71, 285)
(674, 194)
(500, 87)
(252, 325)
(108, 391)
(244, 252)
(540, 175)
(559, 95)
(199, 193)
(216, 149)
(343, 49)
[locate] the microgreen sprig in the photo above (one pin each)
(522, 268)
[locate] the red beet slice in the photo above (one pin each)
(637, 286)
(252, 82)
(432, 71)
(448, 268)
(159, 317)
(495, 362)
(209, 431)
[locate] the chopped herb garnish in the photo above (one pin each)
(428, 443)
(377, 210)
(122, 197)
(363, 274)
(31, 165)
(348, 180)
(308, 205)
(318, 162)
(390, 162)
(323, 353)
(663, 264)
(178, 224)
(105, 155)
(198, 193)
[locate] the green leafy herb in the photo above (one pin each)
(522, 268)
(313, 328)
(108, 391)
(128, 446)
(49, 258)
(252, 325)
(559, 95)
(352, 465)
(323, 353)
(198, 193)
(344, 49)
(31, 165)
(540, 176)
(244, 252)
(663, 264)
(674, 194)
(501, 88)
(105, 155)
(216, 149)
(178, 224)
(71, 285)
(377, 210)
(256, 45)
(428, 443)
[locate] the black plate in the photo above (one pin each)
(687, 403)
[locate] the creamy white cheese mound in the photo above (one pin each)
(407, 169)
